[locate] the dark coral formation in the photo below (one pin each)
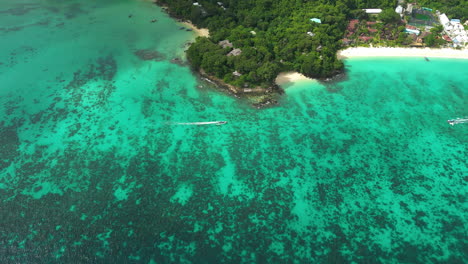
(104, 69)
(9, 143)
(149, 55)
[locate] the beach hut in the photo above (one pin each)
(225, 44)
(235, 52)
(237, 74)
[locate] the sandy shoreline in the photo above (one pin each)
(201, 32)
(289, 77)
(403, 52)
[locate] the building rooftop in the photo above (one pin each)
(235, 52)
(373, 10)
(352, 24)
(399, 9)
(454, 30)
(364, 38)
(225, 43)
(316, 20)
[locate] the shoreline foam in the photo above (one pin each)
(403, 52)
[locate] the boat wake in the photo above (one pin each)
(202, 123)
(457, 121)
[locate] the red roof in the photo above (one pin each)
(411, 27)
(446, 38)
(352, 24)
(364, 38)
(346, 41)
(371, 29)
(371, 23)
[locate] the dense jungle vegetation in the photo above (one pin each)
(273, 35)
(453, 8)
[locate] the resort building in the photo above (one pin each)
(237, 74)
(447, 38)
(409, 9)
(412, 31)
(454, 30)
(221, 5)
(399, 9)
(352, 26)
(316, 20)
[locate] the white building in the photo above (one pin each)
(412, 31)
(444, 20)
(373, 11)
(399, 9)
(455, 30)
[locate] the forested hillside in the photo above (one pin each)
(453, 8)
(269, 36)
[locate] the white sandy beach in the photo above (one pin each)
(288, 77)
(202, 32)
(403, 52)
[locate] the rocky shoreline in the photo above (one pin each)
(259, 97)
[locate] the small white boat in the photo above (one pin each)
(457, 121)
(203, 123)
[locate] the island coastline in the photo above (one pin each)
(268, 90)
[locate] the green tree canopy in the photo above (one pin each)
(389, 16)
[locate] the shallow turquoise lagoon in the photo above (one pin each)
(95, 169)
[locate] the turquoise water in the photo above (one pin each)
(94, 168)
